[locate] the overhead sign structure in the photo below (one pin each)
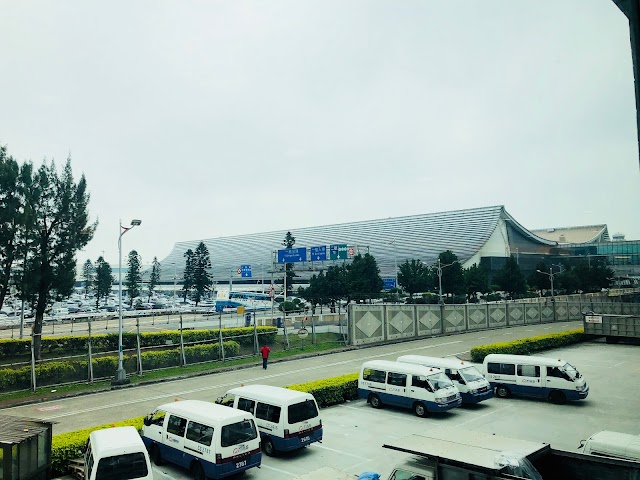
(351, 252)
(319, 254)
(292, 255)
(389, 283)
(338, 252)
(245, 271)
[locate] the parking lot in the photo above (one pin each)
(354, 432)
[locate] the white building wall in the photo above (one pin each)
(496, 246)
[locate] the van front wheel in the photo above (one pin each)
(267, 444)
(420, 410)
(374, 400)
(155, 455)
(502, 391)
(197, 471)
(557, 397)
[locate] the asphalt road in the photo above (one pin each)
(120, 404)
(354, 432)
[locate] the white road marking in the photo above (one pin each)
(277, 470)
(341, 452)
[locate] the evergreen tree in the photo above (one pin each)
(413, 277)
(288, 242)
(60, 228)
(88, 273)
(154, 278)
(363, 277)
(510, 278)
(475, 280)
(188, 273)
(103, 280)
(14, 218)
(202, 280)
(539, 281)
(133, 278)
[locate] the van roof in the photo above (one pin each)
(615, 444)
(116, 440)
(275, 395)
(437, 362)
(525, 360)
(205, 412)
(401, 367)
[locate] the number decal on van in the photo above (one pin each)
(241, 464)
(305, 439)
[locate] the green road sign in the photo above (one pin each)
(338, 252)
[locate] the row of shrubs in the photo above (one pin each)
(527, 346)
(107, 342)
(54, 372)
(327, 392)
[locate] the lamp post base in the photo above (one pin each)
(120, 378)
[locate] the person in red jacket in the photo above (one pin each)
(264, 351)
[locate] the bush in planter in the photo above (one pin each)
(331, 391)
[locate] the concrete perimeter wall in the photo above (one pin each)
(382, 322)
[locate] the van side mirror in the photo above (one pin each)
(147, 420)
(219, 400)
(582, 442)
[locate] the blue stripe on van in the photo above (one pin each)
(296, 441)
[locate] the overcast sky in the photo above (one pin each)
(218, 118)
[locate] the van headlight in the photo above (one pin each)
(581, 388)
(473, 391)
(441, 400)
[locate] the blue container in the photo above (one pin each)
(279, 322)
(247, 320)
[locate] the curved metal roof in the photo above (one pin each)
(389, 240)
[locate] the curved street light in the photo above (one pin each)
(439, 268)
(121, 375)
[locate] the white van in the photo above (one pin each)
(287, 419)
(471, 384)
(212, 441)
(419, 388)
(613, 444)
(551, 378)
(117, 452)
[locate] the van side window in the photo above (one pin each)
(200, 433)
(399, 379)
(158, 418)
(528, 371)
(453, 375)
(420, 382)
(176, 425)
(501, 368)
(246, 404)
(267, 412)
(557, 373)
(373, 375)
(237, 433)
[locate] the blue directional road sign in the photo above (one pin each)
(389, 283)
(319, 254)
(292, 255)
(338, 252)
(245, 271)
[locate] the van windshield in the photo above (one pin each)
(238, 432)
(122, 467)
(439, 381)
(571, 371)
(299, 412)
(471, 374)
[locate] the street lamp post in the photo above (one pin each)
(395, 260)
(551, 274)
(439, 268)
(121, 375)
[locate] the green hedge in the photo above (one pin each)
(54, 372)
(331, 391)
(327, 392)
(527, 346)
(77, 344)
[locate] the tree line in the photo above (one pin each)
(44, 221)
